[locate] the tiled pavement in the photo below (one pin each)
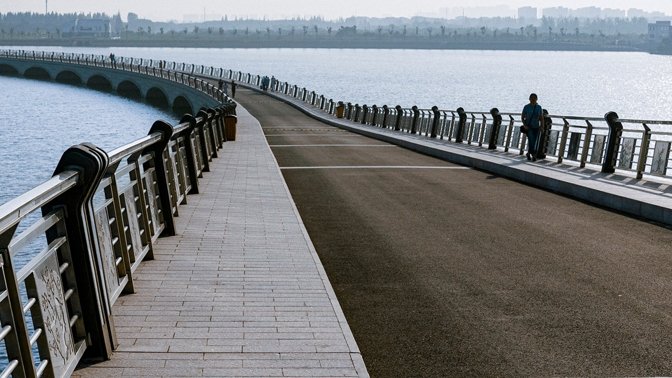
(240, 290)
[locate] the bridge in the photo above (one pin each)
(239, 290)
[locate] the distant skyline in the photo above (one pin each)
(164, 10)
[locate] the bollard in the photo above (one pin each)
(614, 142)
(459, 138)
(230, 122)
(496, 125)
(436, 121)
(416, 117)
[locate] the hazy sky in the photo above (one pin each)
(177, 10)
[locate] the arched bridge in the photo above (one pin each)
(131, 78)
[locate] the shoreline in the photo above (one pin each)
(371, 44)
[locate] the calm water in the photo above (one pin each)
(636, 85)
(38, 121)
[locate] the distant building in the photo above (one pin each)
(659, 32)
(91, 28)
(613, 13)
(640, 13)
(588, 12)
(527, 13)
(556, 12)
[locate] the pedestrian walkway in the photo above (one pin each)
(649, 199)
(240, 290)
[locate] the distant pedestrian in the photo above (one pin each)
(233, 89)
(273, 79)
(113, 60)
(220, 84)
(533, 118)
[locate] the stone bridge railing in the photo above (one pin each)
(129, 77)
(71, 246)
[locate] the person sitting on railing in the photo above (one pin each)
(532, 117)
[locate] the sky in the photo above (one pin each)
(164, 10)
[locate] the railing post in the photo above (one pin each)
(543, 138)
(613, 143)
(213, 131)
(459, 137)
(205, 150)
(436, 121)
(400, 113)
(643, 151)
(162, 178)
(374, 115)
(192, 160)
(416, 117)
(91, 163)
(496, 125)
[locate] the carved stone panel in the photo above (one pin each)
(107, 251)
(553, 142)
(515, 138)
(476, 133)
(574, 142)
(501, 138)
(627, 153)
(152, 202)
(598, 149)
(133, 224)
(55, 318)
(661, 158)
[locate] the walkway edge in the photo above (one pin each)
(355, 354)
(582, 184)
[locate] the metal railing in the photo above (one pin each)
(71, 246)
(639, 146)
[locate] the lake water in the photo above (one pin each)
(38, 120)
(635, 85)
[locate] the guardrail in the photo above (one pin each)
(71, 246)
(610, 143)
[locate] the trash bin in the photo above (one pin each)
(230, 122)
(340, 110)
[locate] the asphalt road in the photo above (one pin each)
(446, 271)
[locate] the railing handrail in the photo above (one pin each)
(17, 208)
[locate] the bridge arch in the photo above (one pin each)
(37, 73)
(181, 105)
(7, 70)
(99, 83)
(129, 89)
(157, 97)
(68, 77)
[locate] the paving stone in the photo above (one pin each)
(240, 290)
